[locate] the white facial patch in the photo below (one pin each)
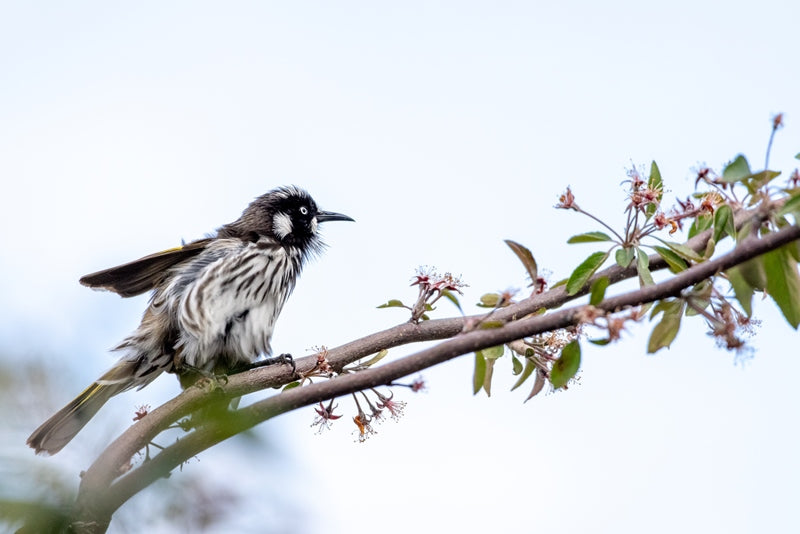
(281, 225)
(314, 225)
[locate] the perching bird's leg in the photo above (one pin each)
(190, 375)
(283, 358)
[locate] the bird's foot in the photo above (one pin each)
(283, 358)
(191, 375)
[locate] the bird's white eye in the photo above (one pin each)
(303, 210)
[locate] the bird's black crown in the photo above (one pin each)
(288, 215)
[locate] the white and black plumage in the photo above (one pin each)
(214, 303)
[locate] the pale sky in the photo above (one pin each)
(442, 128)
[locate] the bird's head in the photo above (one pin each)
(287, 215)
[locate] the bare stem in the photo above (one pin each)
(775, 127)
(581, 210)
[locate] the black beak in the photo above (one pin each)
(323, 216)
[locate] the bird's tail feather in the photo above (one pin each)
(59, 430)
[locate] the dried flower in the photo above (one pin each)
(432, 286)
(588, 315)
(418, 385)
(794, 178)
(642, 196)
(377, 414)
(429, 280)
(394, 407)
(662, 221)
(702, 175)
(710, 201)
(365, 430)
(615, 327)
(567, 201)
(141, 411)
(686, 207)
(322, 366)
(558, 339)
(635, 178)
(325, 416)
(539, 285)
(728, 324)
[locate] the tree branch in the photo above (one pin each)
(99, 498)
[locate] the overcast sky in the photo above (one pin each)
(442, 128)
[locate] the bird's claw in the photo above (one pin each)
(191, 375)
(282, 358)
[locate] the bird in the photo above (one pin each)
(213, 306)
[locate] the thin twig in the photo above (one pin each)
(596, 219)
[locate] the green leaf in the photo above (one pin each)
(797, 156)
(737, 170)
(795, 250)
(683, 251)
(654, 183)
(584, 271)
(565, 367)
(711, 245)
(489, 300)
(745, 231)
(723, 223)
(589, 237)
(291, 385)
(600, 342)
(697, 304)
(492, 353)
(599, 290)
(700, 298)
(675, 263)
(662, 306)
(516, 364)
(761, 179)
(753, 272)
(446, 293)
(644, 308)
(480, 373)
(394, 303)
(783, 283)
(643, 268)
(538, 385)
(561, 282)
(700, 224)
(487, 381)
(529, 368)
(665, 331)
(375, 359)
(743, 291)
(702, 290)
(624, 256)
(792, 205)
(526, 257)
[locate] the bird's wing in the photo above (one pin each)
(136, 277)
